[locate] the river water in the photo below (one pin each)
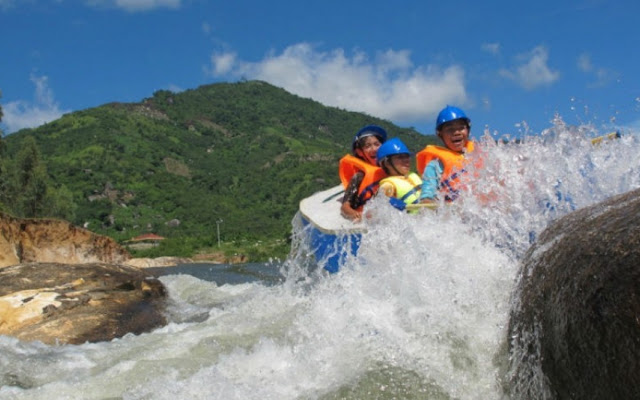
(421, 313)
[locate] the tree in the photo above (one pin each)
(1, 114)
(3, 175)
(29, 181)
(59, 203)
(2, 143)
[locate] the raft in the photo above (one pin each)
(331, 237)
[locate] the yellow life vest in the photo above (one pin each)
(348, 167)
(407, 188)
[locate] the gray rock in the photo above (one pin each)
(574, 328)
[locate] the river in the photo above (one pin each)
(421, 313)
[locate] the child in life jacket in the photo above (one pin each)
(441, 167)
(401, 185)
(359, 172)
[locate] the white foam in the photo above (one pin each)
(422, 309)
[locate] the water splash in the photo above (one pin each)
(420, 313)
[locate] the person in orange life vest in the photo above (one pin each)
(359, 172)
(401, 185)
(441, 167)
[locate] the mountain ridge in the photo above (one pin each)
(231, 156)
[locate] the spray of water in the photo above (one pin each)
(420, 313)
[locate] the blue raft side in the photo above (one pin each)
(331, 251)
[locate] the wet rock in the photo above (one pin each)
(575, 325)
(60, 303)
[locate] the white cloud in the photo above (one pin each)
(492, 48)
(533, 71)
(175, 88)
(135, 5)
(584, 63)
(389, 86)
(602, 76)
(222, 63)
(22, 114)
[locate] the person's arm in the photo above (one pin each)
(431, 181)
(350, 199)
(388, 189)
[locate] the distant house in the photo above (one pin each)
(144, 241)
(147, 237)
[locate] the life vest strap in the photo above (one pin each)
(446, 184)
(368, 192)
(410, 193)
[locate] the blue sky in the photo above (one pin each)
(512, 66)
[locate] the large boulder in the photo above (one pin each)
(60, 303)
(574, 328)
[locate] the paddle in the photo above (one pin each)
(419, 206)
(608, 136)
(333, 196)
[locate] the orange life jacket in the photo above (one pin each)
(349, 165)
(453, 166)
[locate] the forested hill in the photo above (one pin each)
(241, 153)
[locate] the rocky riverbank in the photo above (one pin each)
(54, 241)
(63, 284)
(72, 304)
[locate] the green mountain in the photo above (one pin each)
(238, 156)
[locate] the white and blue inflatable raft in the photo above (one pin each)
(331, 237)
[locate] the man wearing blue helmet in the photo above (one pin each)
(401, 185)
(359, 172)
(441, 167)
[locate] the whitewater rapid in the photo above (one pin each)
(420, 313)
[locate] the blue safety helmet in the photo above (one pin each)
(369, 130)
(391, 147)
(451, 113)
